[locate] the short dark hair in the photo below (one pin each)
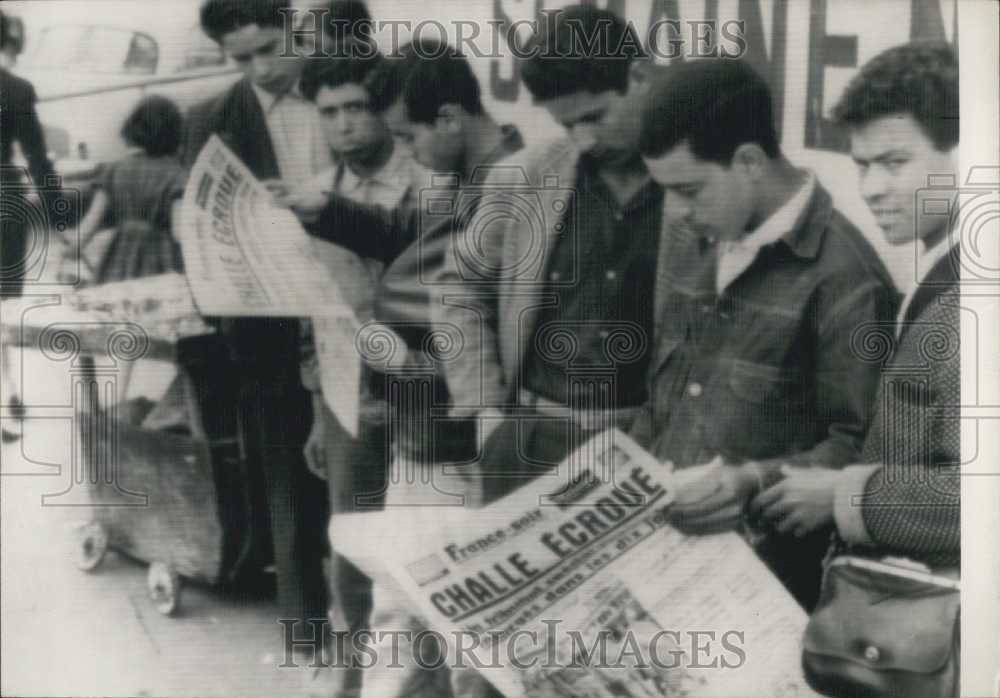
(428, 74)
(580, 48)
(919, 79)
(351, 68)
(348, 18)
(220, 17)
(154, 125)
(714, 104)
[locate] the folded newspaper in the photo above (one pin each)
(576, 586)
(245, 256)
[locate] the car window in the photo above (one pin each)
(201, 51)
(93, 48)
(142, 55)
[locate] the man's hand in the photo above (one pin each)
(315, 448)
(306, 204)
(715, 502)
(801, 502)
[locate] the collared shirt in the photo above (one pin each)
(602, 272)
(399, 180)
(736, 257)
(296, 134)
(393, 187)
(768, 368)
(926, 259)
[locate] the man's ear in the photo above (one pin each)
(640, 75)
(751, 159)
(450, 117)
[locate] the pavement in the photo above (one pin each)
(69, 632)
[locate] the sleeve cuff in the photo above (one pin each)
(846, 513)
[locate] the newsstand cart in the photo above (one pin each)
(181, 500)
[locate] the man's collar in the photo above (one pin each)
(928, 257)
(782, 222)
(268, 100)
(806, 235)
(389, 174)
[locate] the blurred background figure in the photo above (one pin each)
(134, 194)
(18, 124)
(321, 29)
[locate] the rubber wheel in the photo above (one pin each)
(92, 540)
(164, 586)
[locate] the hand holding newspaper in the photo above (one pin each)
(246, 256)
(576, 586)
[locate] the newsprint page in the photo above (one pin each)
(500, 348)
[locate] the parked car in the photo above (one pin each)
(90, 62)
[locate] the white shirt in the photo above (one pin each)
(294, 126)
(736, 256)
(926, 259)
(401, 175)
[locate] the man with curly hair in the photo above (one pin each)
(903, 499)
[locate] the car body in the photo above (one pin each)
(91, 62)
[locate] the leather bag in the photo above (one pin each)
(884, 629)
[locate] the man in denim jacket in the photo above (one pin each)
(762, 284)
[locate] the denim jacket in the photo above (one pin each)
(769, 369)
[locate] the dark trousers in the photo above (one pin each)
(274, 416)
(797, 562)
(355, 470)
(522, 449)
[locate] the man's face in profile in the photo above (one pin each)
(258, 52)
(709, 199)
(604, 126)
(437, 146)
(895, 158)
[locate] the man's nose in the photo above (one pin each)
(342, 124)
(583, 138)
(874, 184)
(678, 208)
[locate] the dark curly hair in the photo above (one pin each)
(155, 125)
(220, 17)
(715, 104)
(920, 79)
(580, 49)
(351, 68)
(428, 74)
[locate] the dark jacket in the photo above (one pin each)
(768, 370)
(19, 123)
(910, 503)
(235, 115)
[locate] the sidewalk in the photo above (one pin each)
(68, 632)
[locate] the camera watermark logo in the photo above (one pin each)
(41, 240)
(502, 225)
(971, 213)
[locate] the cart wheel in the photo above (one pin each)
(92, 539)
(164, 588)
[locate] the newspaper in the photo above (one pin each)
(244, 256)
(621, 603)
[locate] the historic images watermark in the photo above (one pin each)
(552, 648)
(316, 34)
